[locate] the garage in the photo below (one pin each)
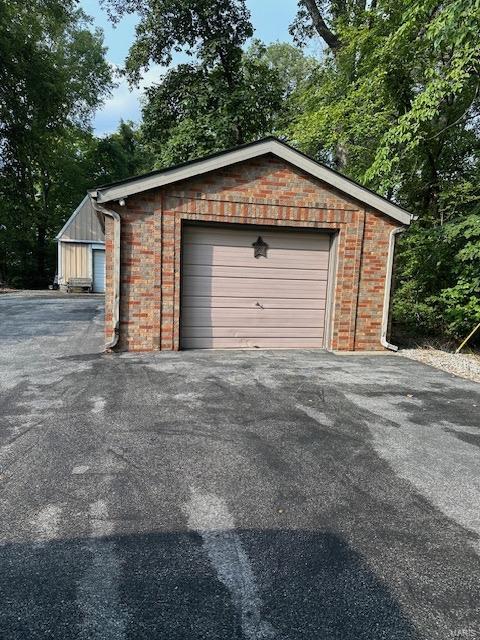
(258, 246)
(253, 288)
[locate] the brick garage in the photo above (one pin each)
(262, 188)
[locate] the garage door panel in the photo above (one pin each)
(251, 302)
(98, 270)
(253, 318)
(252, 272)
(252, 343)
(244, 257)
(230, 299)
(252, 332)
(269, 288)
(277, 239)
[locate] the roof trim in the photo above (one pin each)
(223, 159)
(102, 242)
(67, 223)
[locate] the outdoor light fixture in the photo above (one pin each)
(260, 248)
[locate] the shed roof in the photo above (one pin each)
(83, 225)
(271, 145)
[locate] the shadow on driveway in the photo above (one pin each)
(162, 585)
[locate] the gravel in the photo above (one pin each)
(460, 364)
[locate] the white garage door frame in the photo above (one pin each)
(331, 273)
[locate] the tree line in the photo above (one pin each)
(392, 101)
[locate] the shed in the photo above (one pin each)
(255, 247)
(81, 248)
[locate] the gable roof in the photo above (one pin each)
(155, 179)
(83, 225)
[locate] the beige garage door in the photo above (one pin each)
(246, 288)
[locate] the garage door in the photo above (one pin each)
(98, 270)
(246, 288)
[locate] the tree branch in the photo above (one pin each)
(321, 26)
(458, 120)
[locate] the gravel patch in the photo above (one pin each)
(460, 364)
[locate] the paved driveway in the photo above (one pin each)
(255, 495)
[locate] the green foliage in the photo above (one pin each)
(460, 302)
(53, 74)
(396, 106)
(117, 156)
(438, 289)
(221, 99)
(291, 71)
(443, 40)
(294, 69)
(193, 111)
(211, 30)
(402, 86)
(225, 96)
(394, 102)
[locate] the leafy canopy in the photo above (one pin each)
(393, 101)
(53, 75)
(224, 97)
(193, 111)
(395, 104)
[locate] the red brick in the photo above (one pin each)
(263, 191)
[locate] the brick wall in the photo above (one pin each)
(265, 191)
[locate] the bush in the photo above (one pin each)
(438, 279)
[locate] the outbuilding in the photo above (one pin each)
(255, 247)
(81, 249)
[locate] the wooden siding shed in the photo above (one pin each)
(78, 241)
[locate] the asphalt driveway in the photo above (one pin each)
(223, 495)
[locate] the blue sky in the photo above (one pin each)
(270, 18)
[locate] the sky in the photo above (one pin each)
(270, 19)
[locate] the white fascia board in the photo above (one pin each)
(137, 185)
(67, 224)
(343, 184)
(102, 242)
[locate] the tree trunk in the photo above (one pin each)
(41, 243)
(341, 156)
(330, 38)
(430, 200)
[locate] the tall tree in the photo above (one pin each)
(53, 75)
(221, 98)
(294, 72)
(398, 94)
(193, 112)
(187, 115)
(402, 78)
(117, 156)
(212, 31)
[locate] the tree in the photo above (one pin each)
(193, 112)
(293, 67)
(314, 17)
(189, 115)
(212, 31)
(53, 75)
(220, 99)
(293, 70)
(395, 104)
(117, 156)
(414, 67)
